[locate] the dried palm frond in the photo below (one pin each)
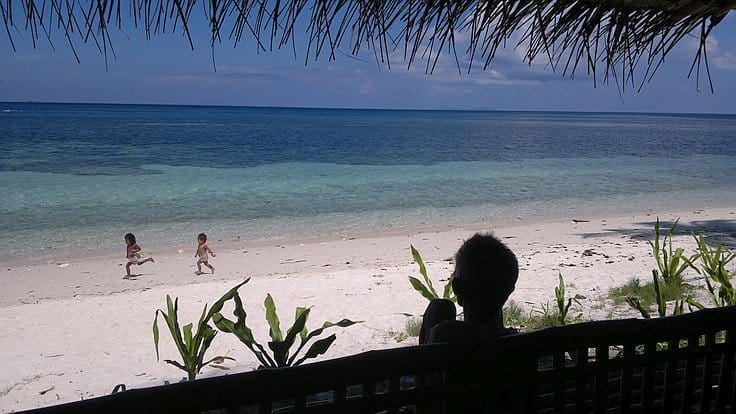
(610, 38)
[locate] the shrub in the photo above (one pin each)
(670, 264)
(514, 316)
(280, 344)
(661, 298)
(191, 346)
(548, 316)
(673, 289)
(713, 264)
(413, 326)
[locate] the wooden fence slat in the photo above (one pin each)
(601, 379)
(558, 363)
(688, 386)
(647, 397)
(626, 377)
(726, 376)
(707, 385)
(669, 376)
(581, 364)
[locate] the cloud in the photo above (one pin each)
(725, 61)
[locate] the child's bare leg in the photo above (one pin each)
(127, 267)
(199, 267)
(212, 268)
(149, 259)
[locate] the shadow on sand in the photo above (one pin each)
(717, 232)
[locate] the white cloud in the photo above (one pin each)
(725, 61)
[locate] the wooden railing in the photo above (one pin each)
(674, 364)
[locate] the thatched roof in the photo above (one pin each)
(622, 39)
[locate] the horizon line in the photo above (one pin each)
(436, 109)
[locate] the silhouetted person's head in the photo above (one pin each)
(485, 275)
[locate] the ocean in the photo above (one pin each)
(77, 177)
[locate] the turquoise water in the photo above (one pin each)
(77, 177)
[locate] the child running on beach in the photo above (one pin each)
(201, 254)
(133, 253)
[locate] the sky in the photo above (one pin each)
(165, 70)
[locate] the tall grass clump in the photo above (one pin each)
(661, 300)
(667, 278)
(548, 316)
(413, 326)
(514, 316)
(675, 288)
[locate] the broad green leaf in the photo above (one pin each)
(418, 258)
(423, 271)
(155, 332)
(208, 336)
(344, 323)
(300, 325)
(217, 306)
(173, 324)
(447, 291)
(419, 287)
(201, 327)
(242, 332)
(318, 348)
(223, 324)
(188, 338)
(273, 319)
(303, 332)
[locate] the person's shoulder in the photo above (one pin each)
(455, 331)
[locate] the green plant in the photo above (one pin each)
(191, 346)
(713, 264)
(400, 337)
(544, 317)
(673, 289)
(661, 298)
(547, 316)
(514, 316)
(413, 326)
(564, 308)
(426, 289)
(280, 344)
(632, 288)
(671, 263)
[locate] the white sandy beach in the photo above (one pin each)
(73, 330)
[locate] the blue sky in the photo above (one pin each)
(164, 70)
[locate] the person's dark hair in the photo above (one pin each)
(202, 236)
(486, 270)
(130, 237)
